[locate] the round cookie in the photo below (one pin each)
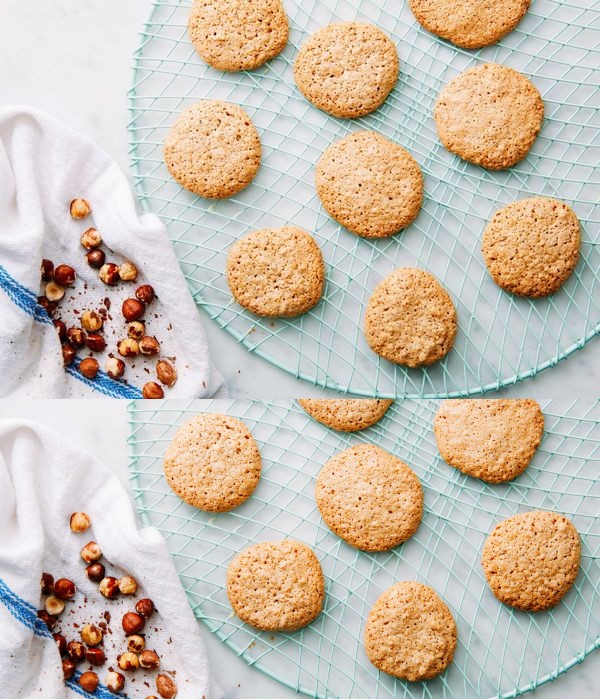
(410, 318)
(347, 69)
(276, 272)
(489, 115)
(213, 462)
(346, 415)
(410, 632)
(276, 586)
(531, 246)
(238, 34)
(470, 24)
(213, 149)
(369, 498)
(493, 440)
(532, 559)
(369, 184)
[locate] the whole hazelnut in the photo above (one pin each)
(128, 347)
(95, 258)
(115, 367)
(95, 572)
(91, 321)
(69, 668)
(48, 619)
(48, 306)
(64, 589)
(136, 644)
(145, 293)
(128, 661)
(95, 342)
(54, 606)
(166, 373)
(91, 552)
(152, 391)
(128, 272)
(109, 273)
(47, 584)
(133, 623)
(136, 330)
(76, 651)
(61, 643)
(91, 635)
(149, 660)
(166, 687)
(88, 681)
(149, 346)
(61, 330)
(47, 270)
(132, 309)
(69, 353)
(89, 367)
(145, 607)
(76, 337)
(128, 585)
(109, 587)
(64, 275)
(114, 681)
(79, 522)
(95, 656)
(54, 292)
(91, 239)
(80, 208)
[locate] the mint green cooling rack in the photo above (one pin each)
(501, 653)
(502, 339)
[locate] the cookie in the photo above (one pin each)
(369, 498)
(410, 632)
(369, 184)
(469, 24)
(276, 586)
(346, 415)
(410, 318)
(347, 69)
(532, 559)
(489, 439)
(276, 272)
(489, 115)
(238, 34)
(213, 462)
(531, 246)
(213, 149)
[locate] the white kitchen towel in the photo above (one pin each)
(43, 479)
(43, 166)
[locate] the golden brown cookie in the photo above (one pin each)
(346, 415)
(532, 559)
(213, 149)
(213, 462)
(369, 498)
(370, 184)
(276, 586)
(470, 24)
(410, 318)
(347, 69)
(489, 439)
(276, 272)
(238, 34)
(531, 246)
(489, 115)
(410, 632)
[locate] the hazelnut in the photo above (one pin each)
(89, 367)
(149, 660)
(109, 273)
(166, 687)
(91, 635)
(69, 668)
(128, 585)
(76, 651)
(145, 607)
(166, 373)
(95, 572)
(132, 309)
(128, 272)
(80, 208)
(48, 619)
(91, 552)
(61, 330)
(114, 681)
(54, 606)
(152, 390)
(76, 337)
(109, 587)
(95, 656)
(149, 346)
(128, 347)
(47, 270)
(64, 275)
(88, 681)
(64, 588)
(54, 292)
(115, 367)
(145, 293)
(91, 321)
(91, 239)
(79, 522)
(95, 342)
(128, 661)
(136, 330)
(95, 258)
(48, 306)
(69, 353)
(136, 644)
(61, 643)
(132, 623)
(47, 584)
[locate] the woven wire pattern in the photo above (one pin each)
(500, 653)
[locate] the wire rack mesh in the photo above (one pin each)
(501, 652)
